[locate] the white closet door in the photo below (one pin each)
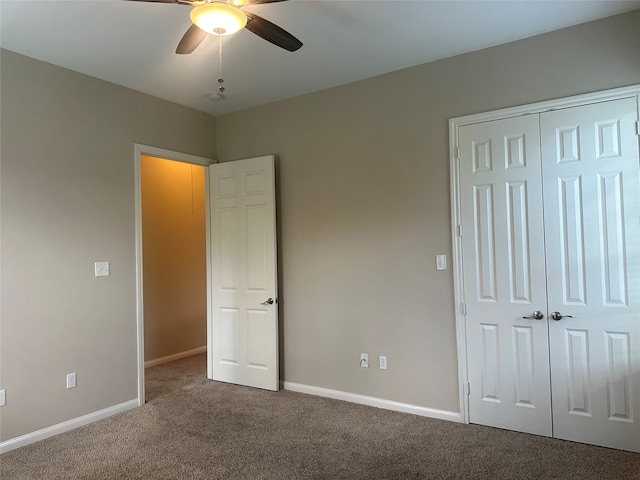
(592, 231)
(504, 275)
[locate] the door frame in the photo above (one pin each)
(456, 225)
(139, 150)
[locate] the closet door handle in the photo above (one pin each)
(268, 301)
(537, 315)
(558, 316)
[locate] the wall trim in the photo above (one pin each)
(541, 107)
(374, 402)
(38, 435)
(175, 356)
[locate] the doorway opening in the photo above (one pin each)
(172, 257)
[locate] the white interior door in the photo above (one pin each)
(504, 275)
(244, 279)
(592, 225)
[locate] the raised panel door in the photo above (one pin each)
(592, 230)
(504, 274)
(243, 263)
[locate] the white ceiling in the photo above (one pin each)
(133, 43)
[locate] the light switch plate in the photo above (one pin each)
(441, 262)
(383, 362)
(3, 398)
(102, 269)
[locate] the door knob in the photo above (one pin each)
(268, 301)
(537, 315)
(558, 316)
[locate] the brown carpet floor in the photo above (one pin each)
(193, 428)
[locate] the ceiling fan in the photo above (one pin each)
(224, 17)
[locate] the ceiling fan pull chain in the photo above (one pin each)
(221, 88)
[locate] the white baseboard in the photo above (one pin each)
(38, 435)
(375, 402)
(175, 356)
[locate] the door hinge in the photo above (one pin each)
(638, 127)
(466, 388)
(464, 308)
(457, 153)
(460, 231)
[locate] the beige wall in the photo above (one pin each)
(174, 257)
(68, 201)
(364, 202)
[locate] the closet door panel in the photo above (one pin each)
(592, 234)
(504, 274)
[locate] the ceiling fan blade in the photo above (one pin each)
(179, 2)
(240, 3)
(156, 1)
(191, 39)
(271, 32)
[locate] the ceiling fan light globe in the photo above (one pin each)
(218, 18)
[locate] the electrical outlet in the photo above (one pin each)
(441, 262)
(3, 398)
(364, 360)
(383, 362)
(71, 380)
